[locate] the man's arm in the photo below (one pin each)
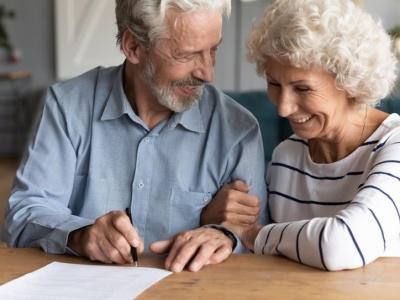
(236, 203)
(37, 213)
(244, 199)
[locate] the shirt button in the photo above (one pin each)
(147, 139)
(141, 184)
(205, 199)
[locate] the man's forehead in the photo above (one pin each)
(186, 28)
(179, 21)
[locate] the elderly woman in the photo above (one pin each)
(334, 186)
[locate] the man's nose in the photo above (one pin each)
(204, 69)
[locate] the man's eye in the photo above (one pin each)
(184, 57)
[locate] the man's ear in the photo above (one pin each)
(131, 47)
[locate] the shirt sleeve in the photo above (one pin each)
(247, 159)
(357, 234)
(37, 213)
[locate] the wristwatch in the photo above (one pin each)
(227, 232)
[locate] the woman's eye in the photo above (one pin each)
(303, 89)
(274, 84)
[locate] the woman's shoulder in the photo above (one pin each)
(391, 121)
(390, 126)
(387, 133)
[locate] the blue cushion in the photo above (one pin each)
(390, 105)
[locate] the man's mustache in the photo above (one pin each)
(189, 81)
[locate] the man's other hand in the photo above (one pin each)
(194, 249)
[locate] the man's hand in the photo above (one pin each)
(194, 249)
(232, 204)
(108, 240)
(246, 233)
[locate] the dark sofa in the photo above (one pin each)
(275, 129)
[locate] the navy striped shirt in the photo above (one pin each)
(335, 216)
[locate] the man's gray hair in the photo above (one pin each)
(145, 19)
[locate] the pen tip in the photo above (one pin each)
(135, 263)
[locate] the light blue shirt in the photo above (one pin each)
(92, 154)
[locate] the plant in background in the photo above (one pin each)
(395, 33)
(4, 38)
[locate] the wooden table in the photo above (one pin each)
(242, 276)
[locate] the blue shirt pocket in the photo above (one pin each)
(185, 209)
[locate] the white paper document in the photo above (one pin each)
(73, 281)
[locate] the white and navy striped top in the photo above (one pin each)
(335, 216)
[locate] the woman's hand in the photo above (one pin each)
(232, 204)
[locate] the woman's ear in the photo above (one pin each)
(350, 98)
(131, 47)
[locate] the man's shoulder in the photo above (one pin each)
(85, 83)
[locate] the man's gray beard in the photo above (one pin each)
(166, 96)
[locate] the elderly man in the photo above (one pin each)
(151, 135)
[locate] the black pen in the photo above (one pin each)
(133, 249)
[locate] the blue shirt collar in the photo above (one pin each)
(117, 104)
